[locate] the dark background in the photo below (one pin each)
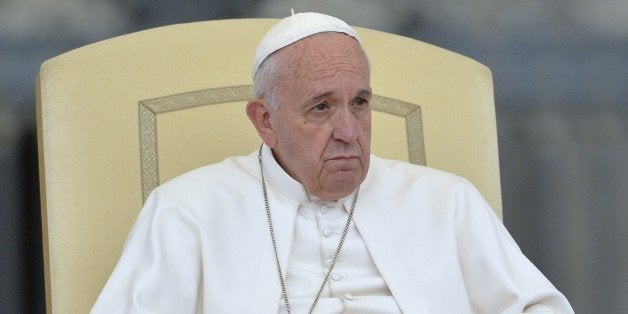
(560, 72)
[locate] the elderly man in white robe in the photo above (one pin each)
(312, 222)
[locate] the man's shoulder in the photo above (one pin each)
(435, 189)
(226, 175)
(388, 176)
(405, 171)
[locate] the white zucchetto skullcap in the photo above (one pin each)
(296, 27)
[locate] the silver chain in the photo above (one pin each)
(284, 291)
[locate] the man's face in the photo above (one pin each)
(322, 127)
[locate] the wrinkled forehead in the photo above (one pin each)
(324, 63)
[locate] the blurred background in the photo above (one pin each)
(560, 71)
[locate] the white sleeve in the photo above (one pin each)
(498, 277)
(160, 267)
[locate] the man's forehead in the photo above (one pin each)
(313, 63)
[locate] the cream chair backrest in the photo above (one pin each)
(118, 117)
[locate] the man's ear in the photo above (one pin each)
(259, 115)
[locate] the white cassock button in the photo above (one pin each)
(349, 296)
(323, 210)
(335, 277)
(326, 233)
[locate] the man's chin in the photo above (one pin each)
(344, 181)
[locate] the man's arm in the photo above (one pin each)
(498, 277)
(160, 266)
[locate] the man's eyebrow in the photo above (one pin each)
(321, 96)
(363, 93)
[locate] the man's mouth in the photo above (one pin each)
(344, 157)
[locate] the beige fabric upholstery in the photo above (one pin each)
(118, 117)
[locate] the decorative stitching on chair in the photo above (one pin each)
(414, 124)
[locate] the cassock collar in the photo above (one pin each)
(280, 181)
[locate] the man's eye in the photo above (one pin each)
(361, 101)
(320, 107)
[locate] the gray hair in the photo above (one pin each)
(266, 80)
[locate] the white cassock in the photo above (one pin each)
(422, 241)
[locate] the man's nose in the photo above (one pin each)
(345, 126)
